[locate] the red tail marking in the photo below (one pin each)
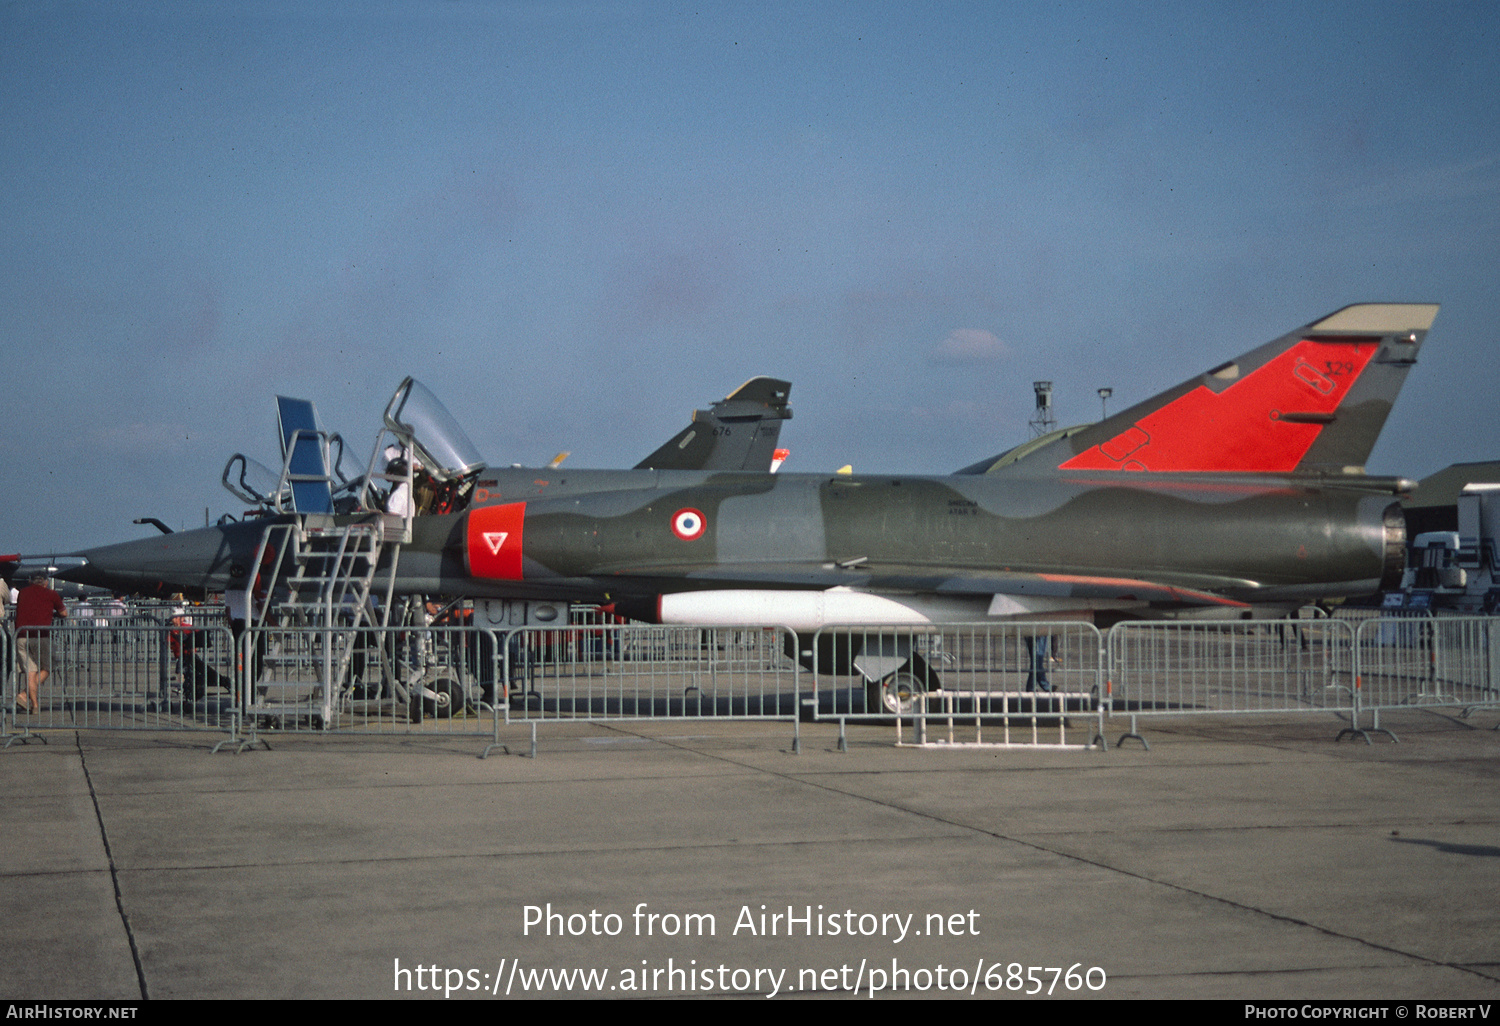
(1308, 374)
(1240, 428)
(493, 543)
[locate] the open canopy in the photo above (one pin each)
(442, 446)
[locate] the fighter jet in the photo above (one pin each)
(1237, 492)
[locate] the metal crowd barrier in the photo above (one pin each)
(987, 684)
(7, 680)
(1428, 661)
(370, 680)
(445, 680)
(1215, 668)
(637, 671)
(123, 677)
(955, 684)
(471, 681)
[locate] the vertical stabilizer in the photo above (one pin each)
(1311, 402)
(738, 432)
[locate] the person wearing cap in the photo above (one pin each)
(36, 606)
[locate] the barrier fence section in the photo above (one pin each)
(993, 683)
(7, 680)
(122, 677)
(1161, 668)
(638, 671)
(1429, 661)
(371, 679)
(998, 682)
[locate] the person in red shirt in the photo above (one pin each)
(36, 605)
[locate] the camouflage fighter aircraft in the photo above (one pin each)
(1239, 491)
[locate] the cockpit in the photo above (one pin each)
(422, 463)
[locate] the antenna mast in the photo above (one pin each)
(1042, 421)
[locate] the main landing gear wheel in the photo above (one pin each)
(896, 694)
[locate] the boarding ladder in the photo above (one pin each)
(321, 574)
(317, 574)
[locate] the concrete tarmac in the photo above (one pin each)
(1238, 858)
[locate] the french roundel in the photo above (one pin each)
(688, 524)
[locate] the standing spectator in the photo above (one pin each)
(36, 605)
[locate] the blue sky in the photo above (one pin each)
(575, 222)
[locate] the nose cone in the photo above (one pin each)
(207, 559)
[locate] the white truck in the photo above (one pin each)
(1460, 569)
